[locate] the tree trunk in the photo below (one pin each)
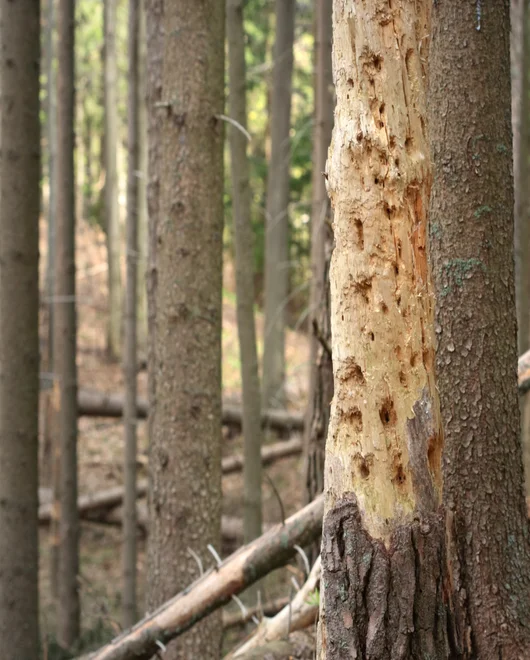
(472, 253)
(130, 356)
(186, 85)
(65, 330)
(244, 246)
(142, 183)
(51, 132)
(112, 219)
(19, 342)
(277, 217)
(320, 365)
(383, 535)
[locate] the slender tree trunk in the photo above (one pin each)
(112, 219)
(87, 148)
(186, 85)
(19, 342)
(130, 357)
(321, 369)
(472, 253)
(383, 536)
(277, 215)
(142, 182)
(65, 330)
(244, 242)
(51, 131)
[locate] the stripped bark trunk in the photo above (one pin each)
(472, 251)
(320, 365)
(276, 214)
(19, 341)
(65, 331)
(130, 354)
(186, 80)
(383, 564)
(111, 182)
(244, 248)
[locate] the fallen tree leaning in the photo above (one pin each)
(112, 497)
(216, 587)
(99, 404)
(523, 373)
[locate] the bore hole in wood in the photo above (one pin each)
(387, 413)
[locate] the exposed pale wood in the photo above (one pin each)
(271, 608)
(216, 587)
(101, 404)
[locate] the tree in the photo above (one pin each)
(130, 355)
(185, 45)
(472, 253)
(243, 239)
(111, 182)
(383, 533)
(276, 213)
(64, 339)
(142, 182)
(19, 342)
(320, 365)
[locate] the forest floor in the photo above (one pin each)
(101, 449)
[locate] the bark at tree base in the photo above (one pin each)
(383, 602)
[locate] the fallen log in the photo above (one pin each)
(296, 615)
(113, 497)
(216, 587)
(269, 609)
(523, 373)
(100, 404)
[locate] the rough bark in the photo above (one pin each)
(216, 587)
(320, 365)
(130, 353)
(112, 219)
(186, 81)
(65, 330)
(472, 252)
(142, 182)
(244, 249)
(99, 404)
(383, 563)
(276, 214)
(19, 344)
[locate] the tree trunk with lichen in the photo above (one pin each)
(383, 548)
(472, 252)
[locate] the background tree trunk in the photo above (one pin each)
(142, 182)
(65, 330)
(19, 342)
(276, 213)
(112, 219)
(186, 85)
(320, 365)
(383, 534)
(244, 248)
(472, 253)
(130, 356)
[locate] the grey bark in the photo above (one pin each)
(471, 242)
(185, 96)
(130, 353)
(276, 214)
(111, 182)
(320, 364)
(65, 331)
(244, 272)
(19, 345)
(142, 182)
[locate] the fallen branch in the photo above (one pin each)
(112, 497)
(216, 587)
(271, 608)
(297, 615)
(523, 373)
(99, 404)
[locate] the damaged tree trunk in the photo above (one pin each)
(383, 549)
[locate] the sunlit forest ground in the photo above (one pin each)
(101, 447)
